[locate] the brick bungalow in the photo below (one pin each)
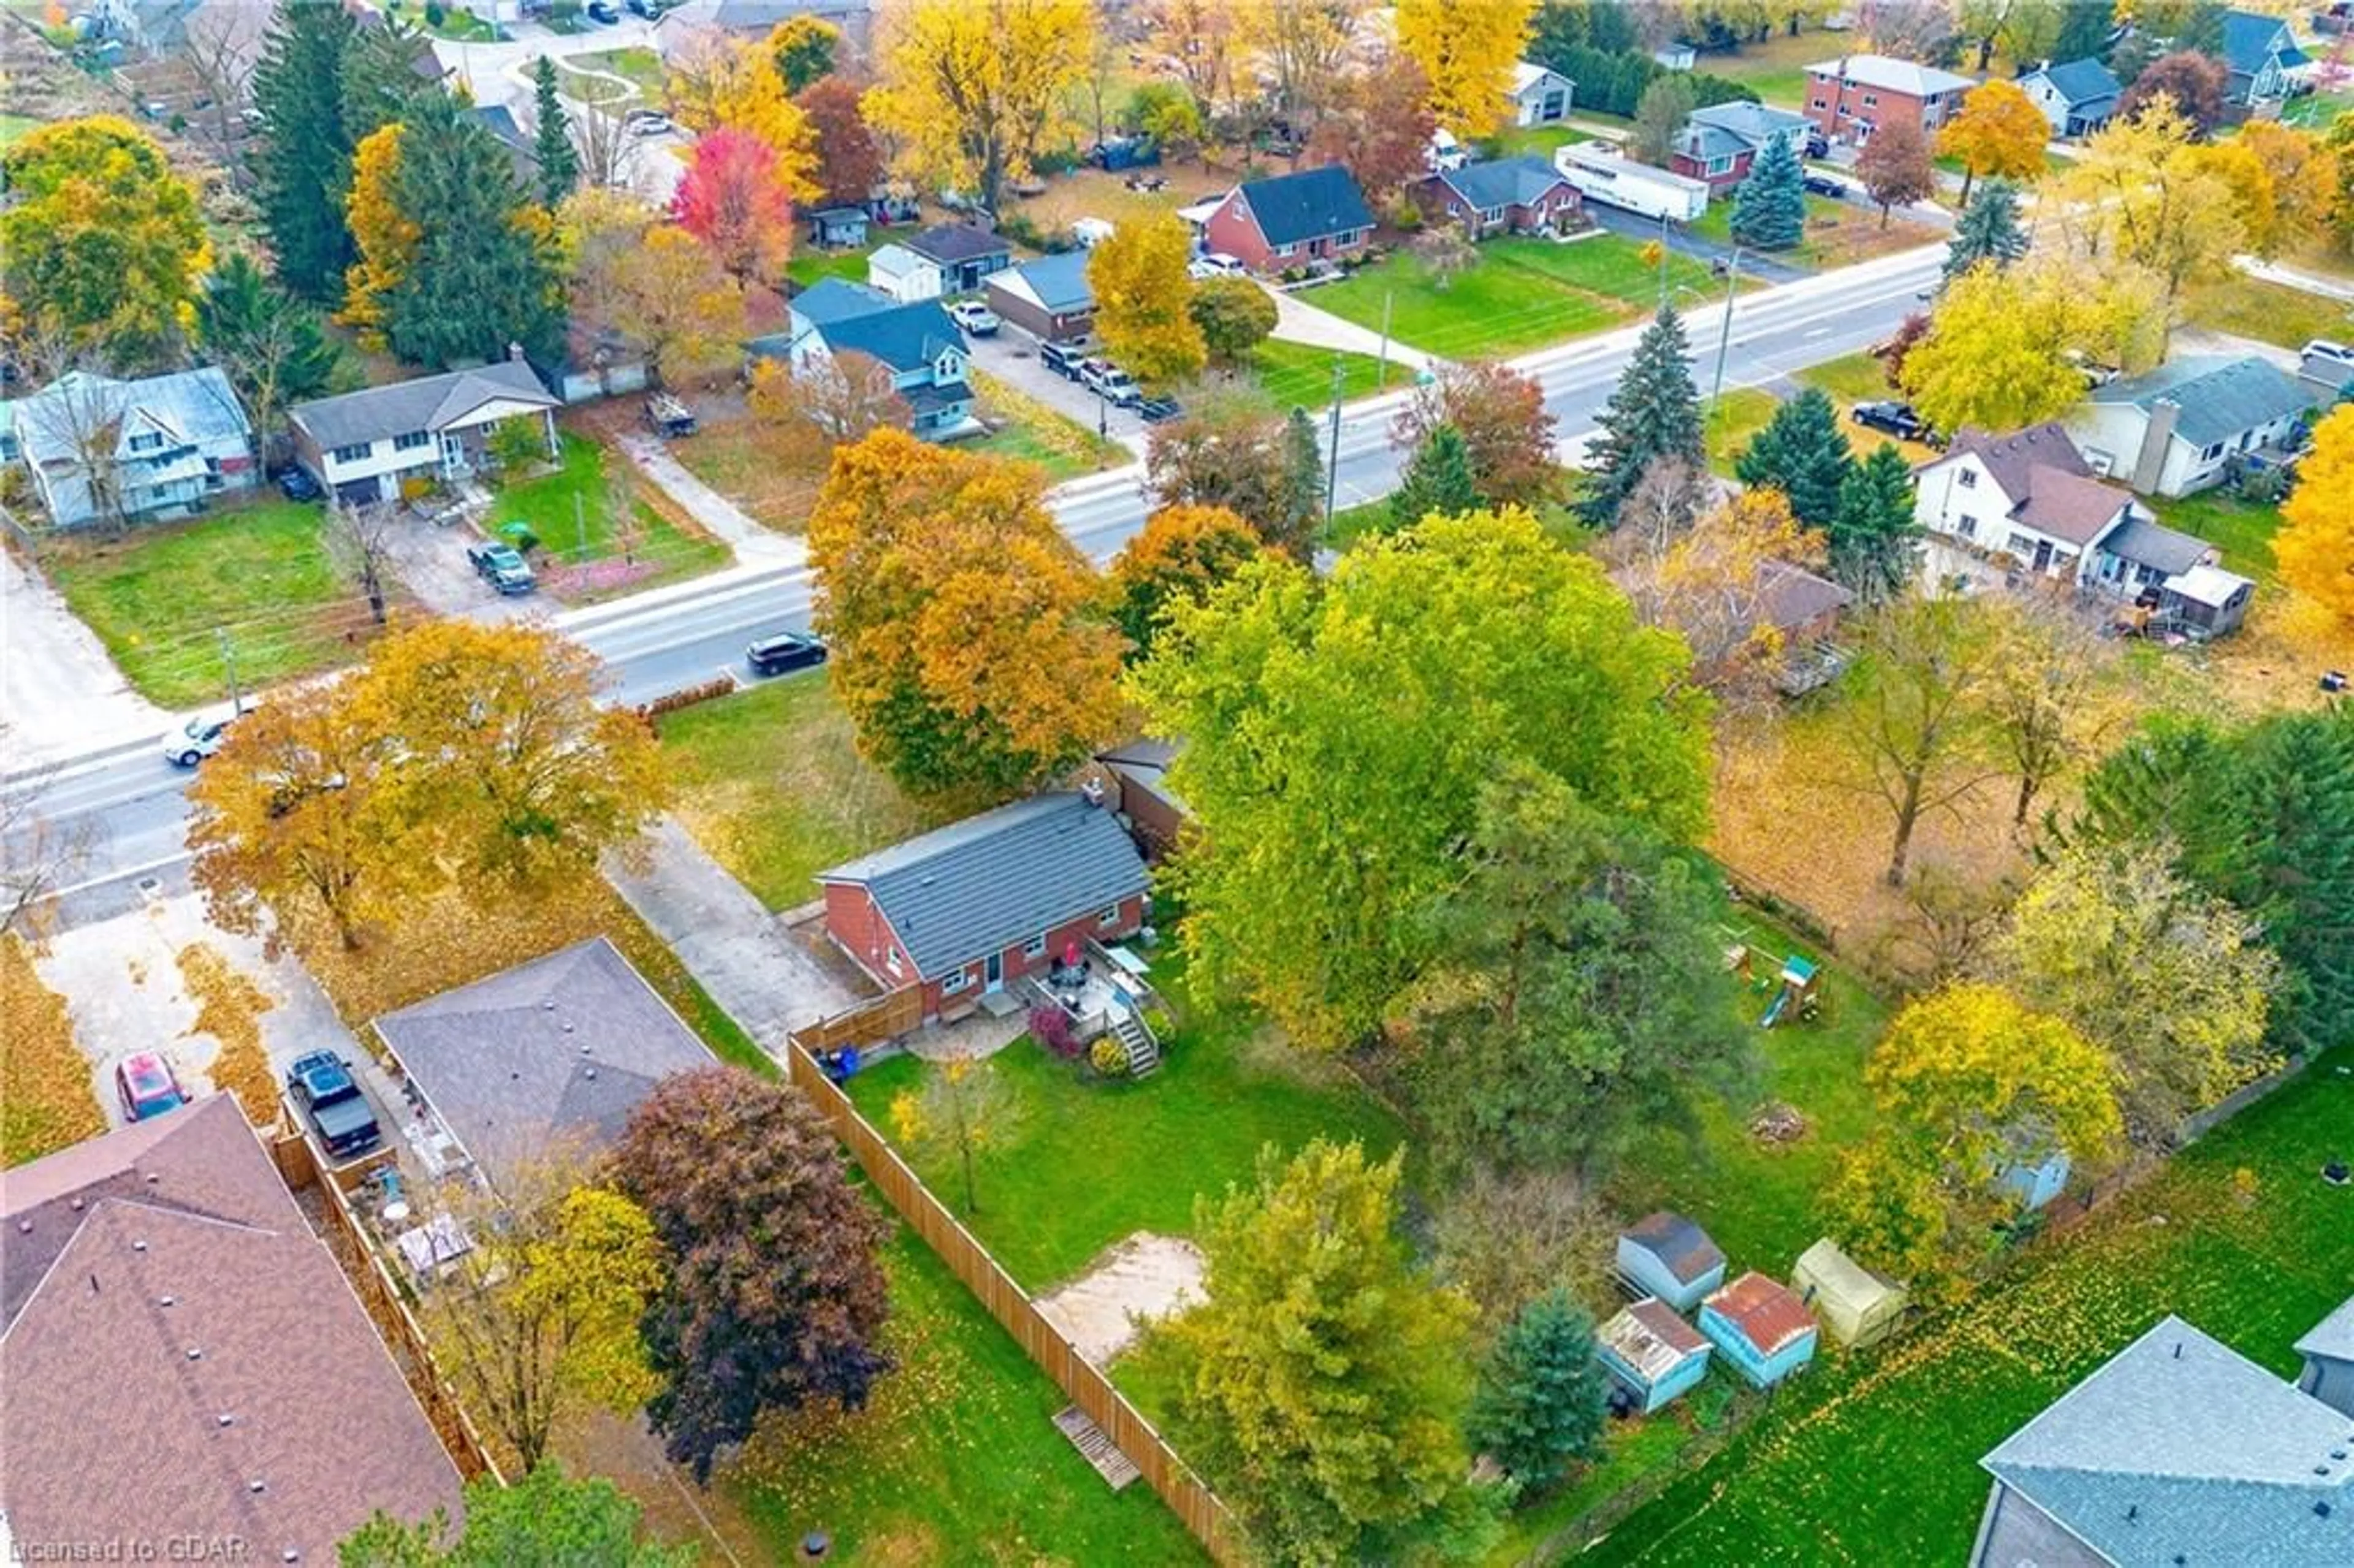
(1289, 220)
(1718, 144)
(1503, 195)
(966, 910)
(1849, 99)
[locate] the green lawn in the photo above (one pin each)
(2269, 312)
(582, 88)
(771, 783)
(1520, 294)
(1775, 69)
(1854, 379)
(1035, 431)
(13, 126)
(1092, 1161)
(161, 596)
(1633, 1450)
(1544, 141)
(582, 535)
(642, 67)
(809, 265)
(954, 1459)
(1837, 234)
(1299, 375)
(1735, 420)
(2241, 530)
(1813, 1481)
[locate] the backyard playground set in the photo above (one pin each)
(1796, 985)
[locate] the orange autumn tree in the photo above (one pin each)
(1182, 553)
(386, 237)
(967, 643)
(1998, 132)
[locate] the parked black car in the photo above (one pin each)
(296, 484)
(604, 11)
(1157, 410)
(1826, 185)
(1063, 358)
(339, 1113)
(1897, 419)
(786, 650)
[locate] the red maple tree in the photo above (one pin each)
(733, 199)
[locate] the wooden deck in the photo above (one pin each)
(1113, 1466)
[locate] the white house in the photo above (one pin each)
(2177, 430)
(922, 349)
(2029, 495)
(2078, 97)
(101, 450)
(360, 447)
(905, 276)
(1539, 96)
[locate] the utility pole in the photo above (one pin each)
(1663, 260)
(1333, 469)
(1724, 337)
(579, 530)
(1382, 370)
(228, 663)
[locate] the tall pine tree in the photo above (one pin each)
(1803, 453)
(1303, 485)
(2085, 28)
(1989, 230)
(1875, 544)
(380, 74)
(273, 346)
(482, 275)
(1654, 412)
(1437, 482)
(552, 149)
(302, 164)
(1769, 210)
(1540, 1399)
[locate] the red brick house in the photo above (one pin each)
(966, 910)
(1718, 144)
(1848, 99)
(1315, 214)
(1503, 195)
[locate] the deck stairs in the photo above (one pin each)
(1100, 1451)
(1143, 1051)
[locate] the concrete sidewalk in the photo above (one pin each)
(1296, 321)
(727, 939)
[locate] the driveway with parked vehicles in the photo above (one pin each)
(1013, 356)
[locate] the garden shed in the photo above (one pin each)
(1761, 1327)
(1666, 1256)
(1651, 1353)
(1856, 1305)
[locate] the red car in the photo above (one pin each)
(144, 1084)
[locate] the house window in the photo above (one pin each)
(1966, 478)
(1720, 165)
(1969, 528)
(2212, 453)
(891, 959)
(1291, 249)
(410, 441)
(2021, 546)
(951, 983)
(1872, 100)
(356, 453)
(1820, 105)
(1487, 215)
(1110, 916)
(1036, 947)
(146, 444)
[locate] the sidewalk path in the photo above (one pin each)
(1296, 321)
(718, 515)
(2293, 277)
(61, 695)
(727, 939)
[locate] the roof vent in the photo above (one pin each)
(515, 1078)
(195, 1353)
(225, 1419)
(23, 1227)
(257, 1485)
(591, 1073)
(568, 1029)
(2338, 1453)
(75, 1204)
(139, 1246)
(153, 1177)
(290, 1556)
(548, 1004)
(168, 1301)
(2321, 1509)
(2132, 1512)
(2321, 1469)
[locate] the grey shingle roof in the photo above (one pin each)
(905, 337)
(2011, 459)
(196, 406)
(1754, 123)
(561, 1047)
(2156, 546)
(839, 299)
(949, 243)
(1309, 205)
(1795, 596)
(2333, 1336)
(2181, 1446)
(2081, 82)
(1703, 143)
(2220, 397)
(1057, 283)
(1504, 182)
(1678, 1243)
(425, 403)
(990, 882)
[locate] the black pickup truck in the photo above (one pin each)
(322, 1085)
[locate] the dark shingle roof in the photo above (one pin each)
(949, 243)
(2011, 458)
(1057, 283)
(1678, 1243)
(426, 403)
(561, 1047)
(989, 882)
(2156, 546)
(2250, 39)
(2180, 1445)
(2081, 82)
(2069, 506)
(1310, 204)
(905, 337)
(2220, 397)
(1504, 182)
(1795, 596)
(113, 1422)
(839, 299)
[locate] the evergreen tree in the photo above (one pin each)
(1769, 210)
(1875, 544)
(273, 348)
(379, 76)
(552, 149)
(1654, 412)
(2202, 30)
(2084, 30)
(1541, 1396)
(1303, 483)
(1989, 230)
(478, 280)
(1438, 480)
(303, 164)
(1803, 453)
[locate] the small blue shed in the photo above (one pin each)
(1666, 1256)
(1761, 1327)
(2033, 1178)
(1651, 1353)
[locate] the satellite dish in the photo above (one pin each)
(394, 1213)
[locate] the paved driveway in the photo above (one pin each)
(1011, 356)
(431, 563)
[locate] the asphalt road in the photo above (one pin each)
(133, 805)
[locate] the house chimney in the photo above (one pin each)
(2164, 414)
(514, 352)
(1092, 788)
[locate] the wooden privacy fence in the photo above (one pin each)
(885, 1018)
(1193, 1504)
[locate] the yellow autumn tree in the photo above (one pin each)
(974, 90)
(386, 237)
(2316, 548)
(1467, 49)
(1713, 585)
(1144, 297)
(968, 640)
(1998, 132)
(2144, 191)
(2304, 178)
(1997, 353)
(718, 81)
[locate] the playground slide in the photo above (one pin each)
(1773, 1014)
